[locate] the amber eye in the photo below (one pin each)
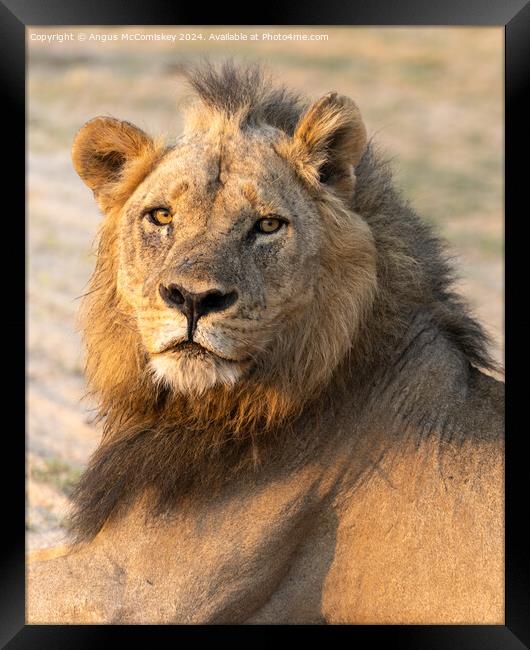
(160, 216)
(268, 225)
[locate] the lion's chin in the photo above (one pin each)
(191, 374)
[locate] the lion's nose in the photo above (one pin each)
(195, 305)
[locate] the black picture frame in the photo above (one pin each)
(514, 15)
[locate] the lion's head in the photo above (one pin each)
(225, 257)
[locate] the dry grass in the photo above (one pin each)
(431, 97)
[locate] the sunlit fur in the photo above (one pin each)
(378, 263)
(184, 375)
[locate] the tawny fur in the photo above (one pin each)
(377, 340)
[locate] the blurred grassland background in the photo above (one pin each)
(431, 97)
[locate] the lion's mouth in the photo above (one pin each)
(192, 349)
(189, 347)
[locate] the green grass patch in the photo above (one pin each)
(422, 70)
(482, 242)
(445, 193)
(57, 473)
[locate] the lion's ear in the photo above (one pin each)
(328, 142)
(102, 148)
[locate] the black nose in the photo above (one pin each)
(195, 305)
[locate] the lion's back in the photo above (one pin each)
(422, 540)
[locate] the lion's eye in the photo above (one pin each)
(160, 217)
(269, 225)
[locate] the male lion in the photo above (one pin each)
(296, 425)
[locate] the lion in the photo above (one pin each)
(299, 419)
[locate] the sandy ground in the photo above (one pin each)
(431, 97)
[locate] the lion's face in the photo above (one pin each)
(234, 253)
(219, 251)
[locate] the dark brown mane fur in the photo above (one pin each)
(155, 441)
(230, 89)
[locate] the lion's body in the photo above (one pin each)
(359, 482)
(419, 541)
